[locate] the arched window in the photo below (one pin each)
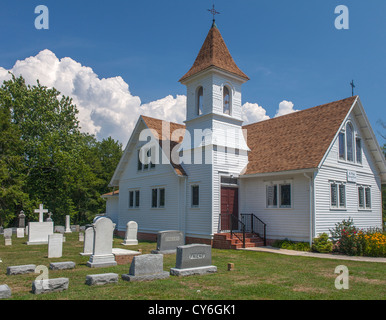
(350, 142)
(226, 101)
(200, 100)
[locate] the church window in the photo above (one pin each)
(134, 199)
(279, 195)
(226, 101)
(342, 146)
(358, 143)
(350, 142)
(195, 196)
(158, 198)
(200, 100)
(337, 195)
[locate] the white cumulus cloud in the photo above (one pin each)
(285, 107)
(106, 106)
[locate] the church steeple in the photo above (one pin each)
(214, 54)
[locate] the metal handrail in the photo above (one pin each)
(254, 225)
(230, 221)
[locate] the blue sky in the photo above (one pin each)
(291, 50)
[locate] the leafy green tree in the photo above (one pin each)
(46, 159)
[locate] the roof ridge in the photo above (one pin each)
(303, 111)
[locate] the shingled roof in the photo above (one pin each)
(156, 124)
(295, 141)
(214, 53)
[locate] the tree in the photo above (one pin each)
(46, 159)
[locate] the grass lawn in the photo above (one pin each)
(257, 276)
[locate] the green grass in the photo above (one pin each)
(257, 276)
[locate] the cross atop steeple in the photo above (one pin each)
(352, 86)
(213, 12)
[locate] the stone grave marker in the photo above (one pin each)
(8, 241)
(50, 285)
(62, 265)
(168, 241)
(68, 226)
(21, 219)
(88, 242)
(193, 259)
(145, 268)
(20, 232)
(15, 270)
(41, 211)
(81, 236)
(8, 233)
(131, 234)
(5, 292)
(59, 229)
(55, 245)
(39, 231)
(101, 279)
(102, 255)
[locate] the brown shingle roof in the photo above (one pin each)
(163, 137)
(295, 141)
(214, 53)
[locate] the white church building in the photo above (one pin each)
(293, 176)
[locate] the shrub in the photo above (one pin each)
(291, 245)
(322, 244)
(352, 241)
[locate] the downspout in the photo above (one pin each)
(311, 207)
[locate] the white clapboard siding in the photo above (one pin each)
(334, 169)
(112, 208)
(292, 223)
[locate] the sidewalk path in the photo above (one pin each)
(314, 254)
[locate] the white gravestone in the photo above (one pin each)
(55, 245)
(102, 255)
(8, 233)
(41, 211)
(20, 233)
(39, 232)
(131, 234)
(88, 242)
(68, 226)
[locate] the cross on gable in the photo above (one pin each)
(213, 12)
(41, 211)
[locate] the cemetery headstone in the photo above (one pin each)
(8, 233)
(55, 245)
(131, 234)
(39, 231)
(20, 233)
(5, 292)
(21, 219)
(145, 268)
(1, 231)
(8, 241)
(41, 212)
(168, 241)
(81, 236)
(50, 285)
(68, 226)
(49, 219)
(102, 255)
(88, 242)
(101, 279)
(15, 270)
(59, 229)
(123, 256)
(62, 265)
(193, 259)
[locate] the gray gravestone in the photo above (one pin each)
(5, 292)
(59, 229)
(62, 265)
(15, 270)
(81, 237)
(131, 234)
(101, 279)
(168, 241)
(8, 241)
(68, 226)
(102, 254)
(21, 219)
(39, 232)
(88, 241)
(146, 267)
(193, 259)
(50, 285)
(8, 233)
(55, 245)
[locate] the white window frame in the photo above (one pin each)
(365, 206)
(338, 205)
(150, 165)
(158, 206)
(134, 206)
(278, 186)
